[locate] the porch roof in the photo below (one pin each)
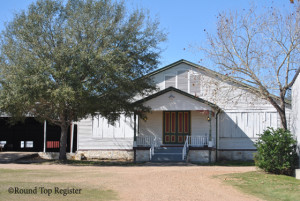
(169, 89)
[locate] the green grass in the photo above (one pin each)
(228, 163)
(49, 179)
(266, 186)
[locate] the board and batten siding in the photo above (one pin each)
(238, 130)
(227, 96)
(96, 133)
(296, 111)
(196, 82)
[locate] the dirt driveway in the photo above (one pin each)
(156, 182)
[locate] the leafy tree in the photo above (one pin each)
(260, 50)
(63, 61)
(276, 151)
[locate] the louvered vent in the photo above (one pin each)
(170, 81)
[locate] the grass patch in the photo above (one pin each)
(264, 185)
(51, 185)
(228, 163)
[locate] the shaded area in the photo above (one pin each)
(29, 136)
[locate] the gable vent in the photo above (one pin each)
(170, 81)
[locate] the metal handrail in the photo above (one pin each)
(185, 148)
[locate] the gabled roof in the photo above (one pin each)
(214, 106)
(212, 73)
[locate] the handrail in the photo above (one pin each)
(185, 148)
(152, 149)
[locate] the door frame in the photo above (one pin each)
(175, 134)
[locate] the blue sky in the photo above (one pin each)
(183, 20)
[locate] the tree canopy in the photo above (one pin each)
(260, 49)
(63, 61)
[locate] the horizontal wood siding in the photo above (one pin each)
(200, 124)
(153, 126)
(179, 102)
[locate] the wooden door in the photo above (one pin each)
(176, 126)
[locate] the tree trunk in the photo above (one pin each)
(63, 141)
(283, 119)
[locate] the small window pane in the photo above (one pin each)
(22, 144)
(29, 144)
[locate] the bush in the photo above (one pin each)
(276, 152)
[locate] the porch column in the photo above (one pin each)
(210, 137)
(72, 137)
(45, 128)
(134, 128)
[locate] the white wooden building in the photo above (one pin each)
(296, 112)
(195, 109)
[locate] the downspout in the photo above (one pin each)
(217, 134)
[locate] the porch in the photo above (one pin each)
(177, 119)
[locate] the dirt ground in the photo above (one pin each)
(156, 182)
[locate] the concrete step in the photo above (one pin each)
(168, 150)
(167, 154)
(167, 157)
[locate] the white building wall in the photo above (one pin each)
(153, 126)
(212, 89)
(238, 130)
(245, 115)
(96, 133)
(296, 110)
(177, 103)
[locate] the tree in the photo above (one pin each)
(63, 61)
(260, 50)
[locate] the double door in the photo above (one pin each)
(176, 126)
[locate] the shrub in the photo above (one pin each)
(276, 151)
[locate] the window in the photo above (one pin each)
(22, 144)
(29, 144)
(170, 81)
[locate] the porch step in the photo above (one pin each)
(167, 154)
(164, 150)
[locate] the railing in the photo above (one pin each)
(146, 141)
(185, 148)
(198, 141)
